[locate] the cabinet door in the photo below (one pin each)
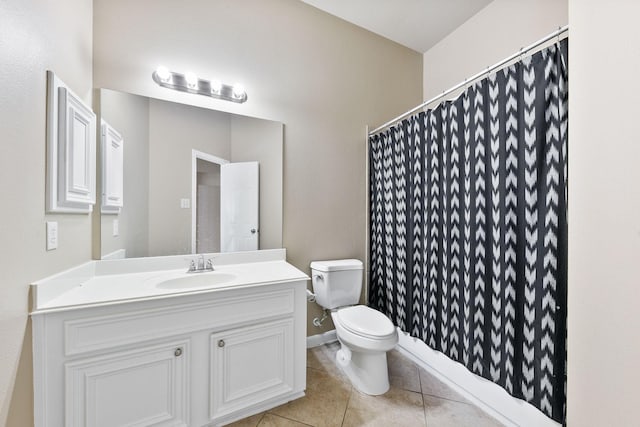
(136, 388)
(250, 365)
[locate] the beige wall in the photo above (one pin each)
(323, 78)
(129, 115)
(604, 214)
(261, 141)
(34, 36)
(494, 33)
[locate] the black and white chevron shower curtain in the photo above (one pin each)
(469, 232)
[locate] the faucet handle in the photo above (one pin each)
(210, 264)
(192, 266)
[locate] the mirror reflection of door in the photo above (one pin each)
(226, 205)
(207, 207)
(239, 217)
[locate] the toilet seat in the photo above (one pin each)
(366, 322)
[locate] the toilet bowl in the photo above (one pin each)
(365, 334)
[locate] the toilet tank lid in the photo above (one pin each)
(337, 265)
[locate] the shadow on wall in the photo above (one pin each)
(21, 405)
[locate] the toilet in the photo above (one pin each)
(365, 334)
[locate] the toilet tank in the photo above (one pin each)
(337, 283)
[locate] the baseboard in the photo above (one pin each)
(321, 339)
(488, 396)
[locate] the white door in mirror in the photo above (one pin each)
(239, 189)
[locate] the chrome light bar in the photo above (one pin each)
(190, 83)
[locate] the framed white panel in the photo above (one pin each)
(145, 387)
(71, 150)
(103, 332)
(236, 381)
(112, 169)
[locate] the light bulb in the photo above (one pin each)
(238, 90)
(191, 79)
(163, 74)
(216, 86)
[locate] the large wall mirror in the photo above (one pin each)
(195, 180)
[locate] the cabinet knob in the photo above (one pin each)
(178, 352)
(221, 343)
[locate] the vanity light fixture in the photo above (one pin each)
(189, 82)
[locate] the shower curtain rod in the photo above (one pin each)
(466, 81)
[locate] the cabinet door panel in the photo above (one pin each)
(138, 388)
(250, 365)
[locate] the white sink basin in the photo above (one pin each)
(198, 280)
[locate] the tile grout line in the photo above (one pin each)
(420, 380)
(449, 399)
(286, 418)
(424, 409)
(344, 416)
(424, 405)
(437, 396)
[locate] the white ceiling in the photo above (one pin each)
(416, 24)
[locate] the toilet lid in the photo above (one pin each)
(365, 321)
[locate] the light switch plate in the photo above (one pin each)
(52, 235)
(185, 203)
(116, 228)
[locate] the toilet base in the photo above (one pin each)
(367, 371)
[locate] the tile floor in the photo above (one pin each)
(416, 398)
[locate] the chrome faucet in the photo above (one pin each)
(200, 267)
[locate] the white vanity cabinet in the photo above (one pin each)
(188, 359)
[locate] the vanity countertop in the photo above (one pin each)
(119, 281)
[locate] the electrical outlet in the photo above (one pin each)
(52, 235)
(116, 230)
